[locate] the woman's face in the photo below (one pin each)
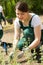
(21, 15)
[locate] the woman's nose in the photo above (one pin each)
(20, 16)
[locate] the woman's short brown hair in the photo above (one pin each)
(22, 6)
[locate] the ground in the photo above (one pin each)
(8, 36)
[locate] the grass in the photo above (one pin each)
(6, 59)
(1, 57)
(27, 55)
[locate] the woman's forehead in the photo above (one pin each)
(18, 11)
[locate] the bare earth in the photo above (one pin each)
(8, 36)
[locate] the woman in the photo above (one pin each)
(23, 15)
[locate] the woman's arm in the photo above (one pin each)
(37, 33)
(17, 32)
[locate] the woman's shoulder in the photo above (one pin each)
(16, 20)
(35, 20)
(36, 15)
(31, 13)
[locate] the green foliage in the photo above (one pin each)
(9, 5)
(35, 5)
(10, 9)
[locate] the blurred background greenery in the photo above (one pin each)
(35, 6)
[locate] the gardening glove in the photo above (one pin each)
(20, 55)
(26, 49)
(27, 52)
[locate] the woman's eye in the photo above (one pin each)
(20, 13)
(17, 13)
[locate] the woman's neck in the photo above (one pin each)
(26, 21)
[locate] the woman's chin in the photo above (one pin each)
(20, 19)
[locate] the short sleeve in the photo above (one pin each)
(16, 23)
(36, 21)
